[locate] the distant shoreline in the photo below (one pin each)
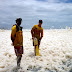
(43, 28)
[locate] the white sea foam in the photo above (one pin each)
(55, 51)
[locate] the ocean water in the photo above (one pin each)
(44, 25)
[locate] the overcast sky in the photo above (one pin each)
(54, 13)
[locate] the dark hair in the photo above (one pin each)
(18, 19)
(40, 21)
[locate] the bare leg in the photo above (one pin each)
(19, 60)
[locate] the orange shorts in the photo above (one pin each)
(18, 50)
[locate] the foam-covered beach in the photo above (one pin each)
(55, 52)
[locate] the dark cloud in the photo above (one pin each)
(52, 14)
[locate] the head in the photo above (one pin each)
(40, 22)
(18, 21)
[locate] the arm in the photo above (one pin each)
(41, 34)
(13, 33)
(32, 31)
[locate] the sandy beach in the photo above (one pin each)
(55, 52)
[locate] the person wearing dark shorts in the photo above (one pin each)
(17, 40)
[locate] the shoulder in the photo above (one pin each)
(42, 28)
(14, 27)
(34, 25)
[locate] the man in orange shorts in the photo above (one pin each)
(37, 31)
(17, 40)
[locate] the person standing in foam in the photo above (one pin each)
(37, 32)
(17, 40)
